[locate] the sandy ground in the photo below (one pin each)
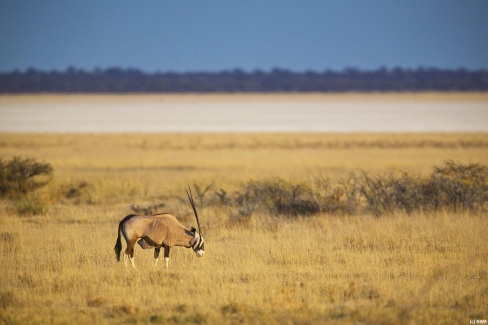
(349, 112)
(252, 97)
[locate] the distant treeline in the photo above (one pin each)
(117, 80)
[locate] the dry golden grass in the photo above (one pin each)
(398, 269)
(165, 161)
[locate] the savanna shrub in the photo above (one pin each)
(450, 187)
(457, 187)
(387, 193)
(20, 176)
(276, 197)
(147, 209)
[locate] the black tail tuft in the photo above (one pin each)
(118, 248)
(118, 243)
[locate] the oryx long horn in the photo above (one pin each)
(190, 197)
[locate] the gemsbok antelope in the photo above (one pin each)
(160, 230)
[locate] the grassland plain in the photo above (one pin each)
(400, 268)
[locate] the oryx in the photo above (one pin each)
(160, 230)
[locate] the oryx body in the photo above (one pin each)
(161, 230)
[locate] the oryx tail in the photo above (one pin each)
(118, 243)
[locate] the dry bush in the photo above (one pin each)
(222, 198)
(458, 187)
(202, 191)
(20, 176)
(147, 209)
(451, 187)
(77, 192)
(276, 197)
(388, 193)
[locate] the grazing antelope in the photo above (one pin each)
(160, 230)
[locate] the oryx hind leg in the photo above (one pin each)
(129, 251)
(156, 255)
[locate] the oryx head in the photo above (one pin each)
(197, 242)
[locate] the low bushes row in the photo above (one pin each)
(450, 187)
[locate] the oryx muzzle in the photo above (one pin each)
(160, 230)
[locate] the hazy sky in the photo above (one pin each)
(213, 35)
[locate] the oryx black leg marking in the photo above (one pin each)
(156, 255)
(166, 256)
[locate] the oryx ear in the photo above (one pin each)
(193, 229)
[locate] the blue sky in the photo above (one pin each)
(215, 35)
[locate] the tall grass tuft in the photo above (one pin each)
(31, 205)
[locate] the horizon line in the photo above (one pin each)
(72, 68)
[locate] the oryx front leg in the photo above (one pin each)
(166, 256)
(125, 260)
(156, 255)
(129, 251)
